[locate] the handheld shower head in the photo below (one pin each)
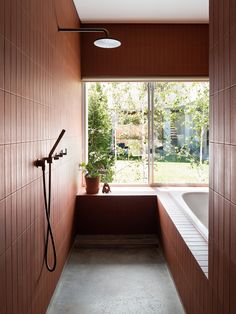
(56, 143)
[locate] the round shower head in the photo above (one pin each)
(107, 43)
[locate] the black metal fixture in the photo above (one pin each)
(47, 200)
(104, 42)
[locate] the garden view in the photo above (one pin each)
(149, 132)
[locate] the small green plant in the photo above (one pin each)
(97, 166)
(94, 167)
(89, 169)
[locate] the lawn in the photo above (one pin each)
(132, 171)
(180, 172)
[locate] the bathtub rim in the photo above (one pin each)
(175, 194)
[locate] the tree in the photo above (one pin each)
(127, 104)
(198, 110)
(169, 101)
(184, 105)
(100, 131)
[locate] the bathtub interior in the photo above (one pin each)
(193, 202)
(198, 203)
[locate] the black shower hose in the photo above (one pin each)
(49, 234)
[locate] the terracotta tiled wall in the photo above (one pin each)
(186, 255)
(39, 95)
(222, 205)
(148, 50)
(222, 228)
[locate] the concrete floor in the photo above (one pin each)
(116, 281)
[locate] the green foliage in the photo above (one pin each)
(128, 100)
(131, 118)
(199, 112)
(99, 133)
(180, 123)
(174, 101)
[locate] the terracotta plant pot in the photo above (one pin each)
(92, 185)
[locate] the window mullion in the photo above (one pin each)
(150, 133)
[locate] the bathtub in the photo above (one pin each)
(198, 204)
(193, 202)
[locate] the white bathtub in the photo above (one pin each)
(194, 204)
(198, 203)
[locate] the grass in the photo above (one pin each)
(132, 171)
(180, 172)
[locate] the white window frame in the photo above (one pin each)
(150, 84)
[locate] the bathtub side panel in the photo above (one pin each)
(190, 280)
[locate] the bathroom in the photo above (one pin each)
(42, 76)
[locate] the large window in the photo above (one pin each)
(154, 133)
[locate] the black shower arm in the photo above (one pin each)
(85, 30)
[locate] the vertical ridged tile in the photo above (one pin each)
(2, 226)
(177, 50)
(2, 59)
(3, 297)
(2, 171)
(233, 114)
(227, 172)
(33, 57)
(8, 221)
(2, 139)
(9, 282)
(233, 174)
(14, 279)
(2, 18)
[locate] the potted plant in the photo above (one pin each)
(92, 171)
(92, 177)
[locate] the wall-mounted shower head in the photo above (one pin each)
(56, 143)
(41, 162)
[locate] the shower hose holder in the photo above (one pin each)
(41, 162)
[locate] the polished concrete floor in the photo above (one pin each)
(116, 281)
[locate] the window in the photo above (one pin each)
(154, 132)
